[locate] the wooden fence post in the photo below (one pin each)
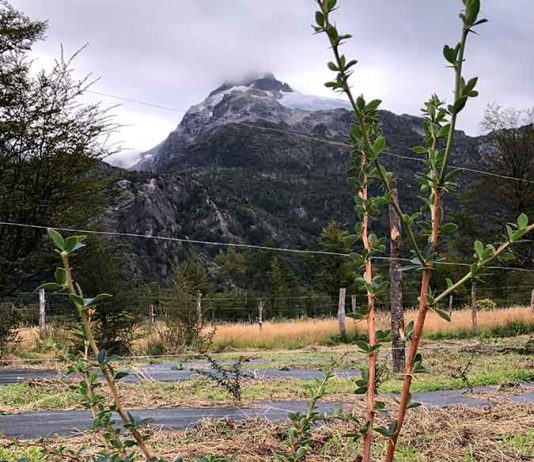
(532, 300)
(353, 303)
(260, 314)
(151, 314)
(398, 354)
(474, 320)
(42, 313)
(341, 312)
(199, 307)
(450, 304)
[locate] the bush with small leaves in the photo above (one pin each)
(486, 304)
(228, 378)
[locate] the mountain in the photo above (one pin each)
(249, 164)
(262, 99)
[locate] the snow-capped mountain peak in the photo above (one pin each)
(251, 99)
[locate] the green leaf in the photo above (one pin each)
(301, 452)
(355, 131)
(364, 346)
(77, 300)
(61, 276)
(449, 54)
(472, 9)
(120, 375)
(379, 405)
(442, 314)
(332, 66)
(331, 4)
(459, 104)
(419, 149)
(94, 300)
(444, 131)
(56, 238)
(373, 105)
(319, 18)
(449, 228)
(379, 145)
(357, 316)
(360, 103)
(479, 249)
(389, 431)
(469, 86)
(50, 286)
(480, 21)
(74, 243)
(413, 404)
(522, 221)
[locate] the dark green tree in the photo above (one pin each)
(334, 271)
(50, 145)
(103, 270)
(184, 326)
(233, 269)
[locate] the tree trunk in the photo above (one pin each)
(395, 278)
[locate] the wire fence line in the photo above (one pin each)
(240, 245)
(35, 309)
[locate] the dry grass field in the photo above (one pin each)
(301, 333)
(293, 334)
(501, 434)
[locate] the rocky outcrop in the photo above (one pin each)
(237, 169)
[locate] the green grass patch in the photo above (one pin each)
(521, 445)
(15, 455)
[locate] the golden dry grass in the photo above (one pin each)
(316, 331)
(294, 334)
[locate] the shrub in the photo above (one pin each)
(183, 326)
(228, 378)
(486, 304)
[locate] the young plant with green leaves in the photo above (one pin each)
(367, 143)
(424, 227)
(93, 359)
(95, 364)
(299, 436)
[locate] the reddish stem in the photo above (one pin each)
(418, 330)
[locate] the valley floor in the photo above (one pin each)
(488, 424)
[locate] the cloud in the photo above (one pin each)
(173, 52)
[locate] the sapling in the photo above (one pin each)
(116, 447)
(85, 364)
(439, 125)
(299, 436)
(367, 142)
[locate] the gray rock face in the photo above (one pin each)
(238, 169)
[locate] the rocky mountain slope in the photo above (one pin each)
(250, 164)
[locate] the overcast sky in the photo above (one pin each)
(174, 52)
